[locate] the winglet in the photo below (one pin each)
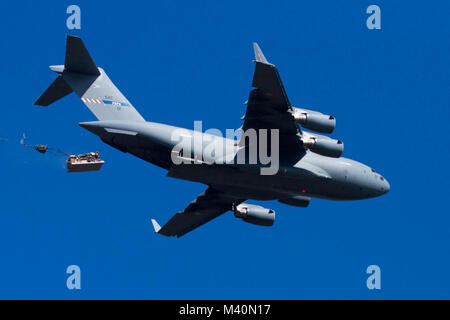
(259, 55)
(156, 226)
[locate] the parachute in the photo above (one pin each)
(75, 163)
(42, 148)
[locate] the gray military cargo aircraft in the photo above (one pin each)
(310, 165)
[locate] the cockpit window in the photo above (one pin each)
(372, 170)
(382, 179)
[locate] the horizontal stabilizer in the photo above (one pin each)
(57, 90)
(78, 58)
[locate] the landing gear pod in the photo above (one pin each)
(297, 201)
(84, 162)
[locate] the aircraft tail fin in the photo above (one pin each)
(81, 75)
(78, 59)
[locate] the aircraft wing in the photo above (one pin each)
(209, 205)
(268, 106)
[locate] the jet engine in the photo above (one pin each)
(314, 120)
(255, 214)
(323, 145)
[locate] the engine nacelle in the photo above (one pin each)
(324, 146)
(314, 120)
(297, 201)
(255, 214)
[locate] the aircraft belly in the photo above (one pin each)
(238, 181)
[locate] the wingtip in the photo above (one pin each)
(259, 55)
(156, 225)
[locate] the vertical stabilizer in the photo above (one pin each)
(81, 75)
(78, 59)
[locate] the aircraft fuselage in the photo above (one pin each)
(312, 175)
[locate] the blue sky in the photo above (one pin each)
(183, 61)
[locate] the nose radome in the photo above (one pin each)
(388, 186)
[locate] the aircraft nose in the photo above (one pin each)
(385, 187)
